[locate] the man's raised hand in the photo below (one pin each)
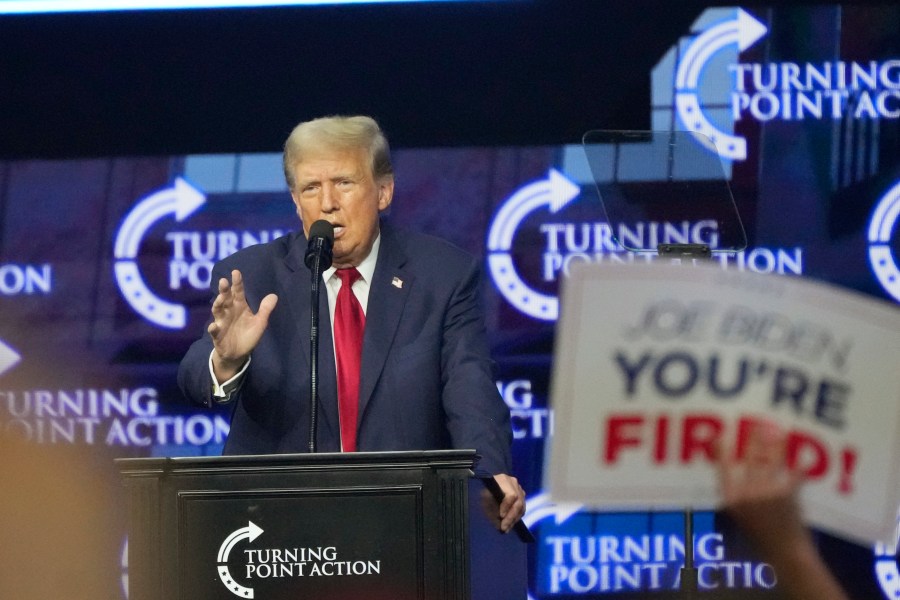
(235, 329)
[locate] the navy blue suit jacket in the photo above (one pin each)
(426, 377)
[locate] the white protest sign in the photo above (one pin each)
(655, 363)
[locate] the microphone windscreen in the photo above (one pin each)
(322, 229)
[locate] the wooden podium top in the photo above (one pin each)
(438, 459)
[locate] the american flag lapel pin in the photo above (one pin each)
(397, 283)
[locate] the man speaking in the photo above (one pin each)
(404, 361)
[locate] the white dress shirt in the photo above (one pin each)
(222, 392)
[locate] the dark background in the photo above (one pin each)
(514, 72)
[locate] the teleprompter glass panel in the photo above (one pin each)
(663, 190)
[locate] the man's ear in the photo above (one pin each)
(385, 193)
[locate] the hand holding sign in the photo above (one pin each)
(657, 364)
(759, 492)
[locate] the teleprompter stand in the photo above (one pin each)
(666, 194)
(391, 526)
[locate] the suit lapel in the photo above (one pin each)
(387, 297)
(295, 280)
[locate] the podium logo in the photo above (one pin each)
(882, 227)
(282, 563)
(249, 533)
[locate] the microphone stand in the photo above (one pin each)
(314, 350)
(318, 258)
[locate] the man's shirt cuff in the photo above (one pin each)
(222, 392)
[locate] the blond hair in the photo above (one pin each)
(338, 132)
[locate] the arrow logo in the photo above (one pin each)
(541, 507)
(180, 200)
(249, 533)
(744, 31)
(553, 193)
(8, 358)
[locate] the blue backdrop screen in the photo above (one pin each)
(105, 266)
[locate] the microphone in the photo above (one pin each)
(321, 239)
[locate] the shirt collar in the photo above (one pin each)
(366, 268)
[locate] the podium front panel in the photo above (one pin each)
(386, 526)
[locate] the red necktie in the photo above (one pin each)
(349, 323)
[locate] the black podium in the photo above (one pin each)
(380, 526)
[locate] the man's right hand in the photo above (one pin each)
(235, 329)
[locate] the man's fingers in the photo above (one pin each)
(237, 285)
(266, 306)
(512, 507)
(515, 512)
